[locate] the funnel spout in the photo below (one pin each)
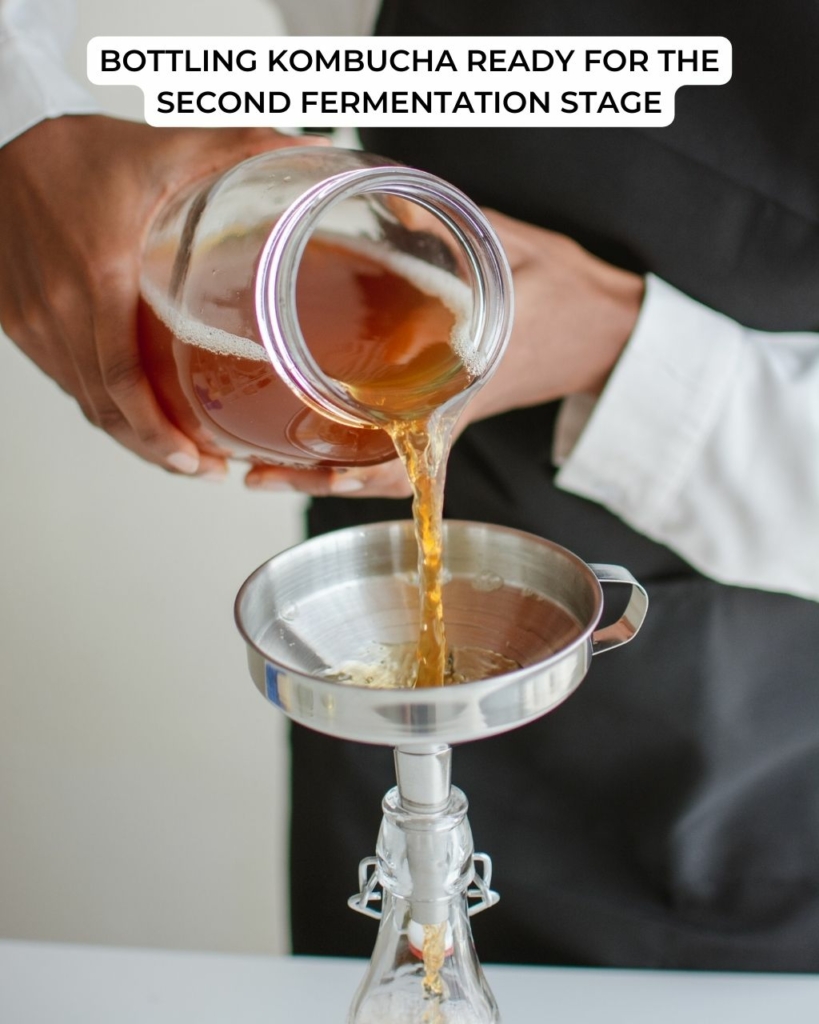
(424, 777)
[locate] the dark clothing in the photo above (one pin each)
(668, 814)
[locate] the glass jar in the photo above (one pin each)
(293, 305)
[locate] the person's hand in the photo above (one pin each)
(574, 314)
(79, 194)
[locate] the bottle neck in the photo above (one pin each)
(424, 966)
(425, 858)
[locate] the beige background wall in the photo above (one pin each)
(142, 777)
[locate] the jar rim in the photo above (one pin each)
(277, 274)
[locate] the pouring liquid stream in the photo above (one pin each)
(423, 445)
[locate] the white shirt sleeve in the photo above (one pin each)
(706, 439)
(33, 81)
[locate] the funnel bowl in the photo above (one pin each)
(352, 596)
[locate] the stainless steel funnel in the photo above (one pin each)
(344, 596)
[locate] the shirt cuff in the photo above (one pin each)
(574, 413)
(34, 86)
(649, 425)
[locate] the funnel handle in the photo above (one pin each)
(626, 627)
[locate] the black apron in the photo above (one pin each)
(667, 815)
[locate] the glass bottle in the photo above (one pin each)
(294, 304)
(424, 968)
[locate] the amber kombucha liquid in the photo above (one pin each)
(386, 330)
(423, 446)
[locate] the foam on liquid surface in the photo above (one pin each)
(403, 1008)
(428, 279)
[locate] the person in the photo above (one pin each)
(658, 407)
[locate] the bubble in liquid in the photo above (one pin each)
(471, 664)
(394, 666)
(486, 581)
(402, 1007)
(288, 612)
(381, 666)
(454, 293)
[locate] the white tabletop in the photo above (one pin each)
(61, 984)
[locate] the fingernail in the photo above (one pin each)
(264, 484)
(346, 484)
(182, 462)
(216, 476)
